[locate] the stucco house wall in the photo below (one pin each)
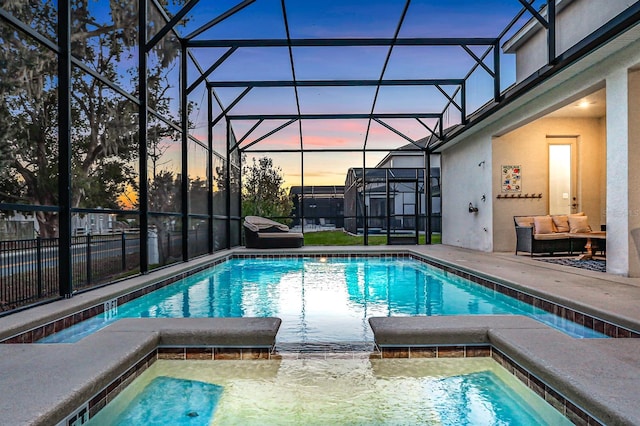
(575, 19)
(466, 177)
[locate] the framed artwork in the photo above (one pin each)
(511, 179)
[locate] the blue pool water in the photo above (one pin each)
(168, 400)
(330, 392)
(320, 301)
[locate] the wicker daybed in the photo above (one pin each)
(264, 233)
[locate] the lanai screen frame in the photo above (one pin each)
(436, 139)
(435, 133)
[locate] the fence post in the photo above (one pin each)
(39, 265)
(88, 259)
(169, 244)
(124, 251)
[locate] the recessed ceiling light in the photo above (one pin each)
(584, 103)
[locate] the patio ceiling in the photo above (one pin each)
(350, 74)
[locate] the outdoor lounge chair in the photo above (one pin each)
(263, 233)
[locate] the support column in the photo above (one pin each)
(210, 174)
(623, 177)
(634, 174)
(427, 196)
(184, 119)
(65, 273)
(142, 140)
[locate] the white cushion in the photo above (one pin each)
(257, 223)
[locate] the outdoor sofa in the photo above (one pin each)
(551, 234)
(263, 233)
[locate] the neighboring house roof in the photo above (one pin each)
(317, 190)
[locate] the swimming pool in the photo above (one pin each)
(320, 300)
(338, 391)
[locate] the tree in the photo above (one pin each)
(263, 193)
(105, 124)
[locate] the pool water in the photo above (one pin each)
(337, 392)
(320, 300)
(168, 400)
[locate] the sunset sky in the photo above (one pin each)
(347, 18)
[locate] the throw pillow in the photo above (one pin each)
(561, 222)
(542, 225)
(579, 224)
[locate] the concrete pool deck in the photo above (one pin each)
(37, 380)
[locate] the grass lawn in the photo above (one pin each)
(340, 238)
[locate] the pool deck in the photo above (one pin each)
(39, 379)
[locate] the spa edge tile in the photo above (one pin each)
(126, 381)
(99, 405)
(503, 361)
(587, 322)
(478, 351)
(610, 330)
(430, 352)
(594, 422)
(555, 399)
(100, 396)
(598, 325)
(171, 353)
(623, 333)
(26, 337)
(112, 395)
(37, 334)
(576, 415)
(112, 387)
(521, 374)
(547, 306)
(204, 353)
(49, 329)
(451, 351)
(227, 354)
(131, 372)
(141, 366)
(526, 298)
(254, 354)
(536, 385)
(395, 352)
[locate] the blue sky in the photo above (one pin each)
(263, 19)
(353, 19)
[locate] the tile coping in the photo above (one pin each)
(608, 328)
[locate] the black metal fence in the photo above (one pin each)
(97, 259)
(29, 268)
(28, 271)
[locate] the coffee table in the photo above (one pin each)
(591, 244)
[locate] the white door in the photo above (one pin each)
(562, 175)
